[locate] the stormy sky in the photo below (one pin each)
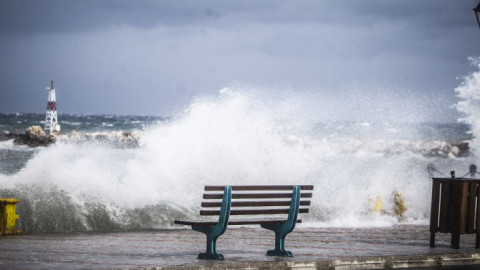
(153, 57)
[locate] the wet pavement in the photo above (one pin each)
(313, 248)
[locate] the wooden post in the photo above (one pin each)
(477, 230)
(434, 211)
(472, 195)
(477, 240)
(454, 209)
(445, 207)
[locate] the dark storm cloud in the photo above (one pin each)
(59, 15)
(62, 16)
(104, 54)
(422, 19)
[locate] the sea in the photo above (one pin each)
(89, 182)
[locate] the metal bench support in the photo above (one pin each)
(281, 230)
(214, 231)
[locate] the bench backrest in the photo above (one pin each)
(256, 200)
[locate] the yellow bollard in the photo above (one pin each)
(376, 205)
(8, 216)
(398, 204)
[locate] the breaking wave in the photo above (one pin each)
(239, 137)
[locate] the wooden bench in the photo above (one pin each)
(274, 208)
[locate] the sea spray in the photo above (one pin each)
(469, 102)
(239, 137)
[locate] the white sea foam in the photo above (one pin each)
(469, 103)
(71, 123)
(9, 145)
(242, 137)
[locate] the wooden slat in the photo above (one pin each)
(255, 196)
(444, 207)
(477, 227)
(258, 221)
(266, 211)
(252, 212)
(259, 187)
(456, 178)
(434, 206)
(456, 213)
(195, 222)
(472, 191)
(234, 222)
(455, 210)
(463, 192)
(253, 203)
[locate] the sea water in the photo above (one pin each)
(237, 137)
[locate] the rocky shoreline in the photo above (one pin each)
(117, 139)
(34, 136)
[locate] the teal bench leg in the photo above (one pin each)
(214, 231)
(281, 230)
(211, 253)
(279, 246)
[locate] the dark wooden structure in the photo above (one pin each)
(273, 207)
(455, 208)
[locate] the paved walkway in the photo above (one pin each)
(313, 248)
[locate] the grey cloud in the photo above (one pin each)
(103, 53)
(61, 16)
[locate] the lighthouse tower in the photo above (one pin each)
(51, 120)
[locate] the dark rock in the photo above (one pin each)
(34, 136)
(5, 136)
(464, 149)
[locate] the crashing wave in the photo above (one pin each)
(117, 139)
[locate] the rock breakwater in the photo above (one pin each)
(117, 139)
(35, 136)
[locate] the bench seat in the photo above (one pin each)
(273, 207)
(235, 222)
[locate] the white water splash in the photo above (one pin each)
(241, 137)
(469, 103)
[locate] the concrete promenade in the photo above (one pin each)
(243, 248)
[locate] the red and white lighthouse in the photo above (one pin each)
(51, 120)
